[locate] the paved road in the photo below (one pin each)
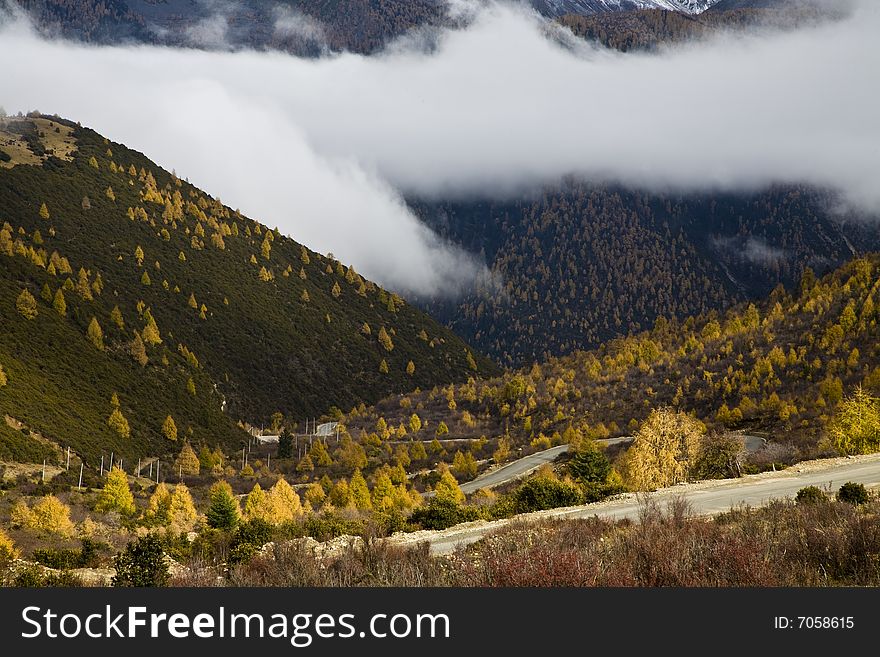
(707, 499)
(513, 470)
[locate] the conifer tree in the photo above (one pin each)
(336, 290)
(285, 445)
(359, 492)
(223, 512)
(169, 429)
(58, 302)
(447, 488)
(319, 454)
(410, 368)
(304, 297)
(3, 378)
(182, 514)
(26, 305)
(119, 424)
(95, 334)
(116, 318)
(385, 339)
(138, 351)
(257, 505)
(116, 495)
(159, 505)
(285, 503)
(415, 423)
(150, 333)
(187, 462)
(383, 493)
(305, 464)
(46, 293)
(383, 367)
(44, 212)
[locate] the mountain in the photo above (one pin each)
(303, 27)
(582, 264)
(118, 277)
(778, 368)
(558, 8)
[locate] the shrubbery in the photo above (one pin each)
(852, 493)
(142, 563)
(811, 495)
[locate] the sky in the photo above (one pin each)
(326, 149)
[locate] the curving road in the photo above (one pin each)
(513, 470)
(705, 498)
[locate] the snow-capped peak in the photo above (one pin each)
(589, 7)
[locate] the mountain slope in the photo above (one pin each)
(557, 8)
(258, 322)
(584, 264)
(779, 368)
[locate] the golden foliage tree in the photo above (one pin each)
(284, 501)
(138, 350)
(95, 334)
(447, 487)
(58, 302)
(8, 551)
(116, 495)
(385, 339)
(169, 429)
(119, 424)
(26, 305)
(182, 514)
(360, 492)
(855, 428)
(661, 453)
(187, 462)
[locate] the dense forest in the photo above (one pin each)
(778, 368)
(583, 264)
(120, 280)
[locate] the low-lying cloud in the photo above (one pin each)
(324, 148)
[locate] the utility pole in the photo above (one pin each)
(68, 458)
(80, 475)
(157, 471)
(43, 476)
(102, 465)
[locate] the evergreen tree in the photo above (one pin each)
(319, 454)
(410, 368)
(415, 423)
(383, 367)
(305, 464)
(285, 445)
(44, 212)
(383, 493)
(159, 505)
(150, 334)
(223, 512)
(257, 505)
(46, 293)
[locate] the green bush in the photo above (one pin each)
(34, 577)
(852, 493)
(440, 514)
(542, 493)
(142, 563)
(811, 495)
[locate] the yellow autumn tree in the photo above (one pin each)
(44, 212)
(855, 428)
(26, 305)
(187, 462)
(257, 506)
(119, 424)
(116, 495)
(359, 492)
(284, 501)
(8, 551)
(447, 487)
(95, 334)
(182, 514)
(169, 429)
(662, 451)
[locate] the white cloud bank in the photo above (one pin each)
(322, 148)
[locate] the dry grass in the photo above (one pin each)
(57, 139)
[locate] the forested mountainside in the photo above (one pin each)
(310, 27)
(584, 264)
(651, 28)
(779, 368)
(120, 280)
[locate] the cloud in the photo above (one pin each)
(292, 23)
(324, 148)
(499, 106)
(210, 32)
(750, 249)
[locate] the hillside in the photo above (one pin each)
(778, 368)
(195, 307)
(583, 264)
